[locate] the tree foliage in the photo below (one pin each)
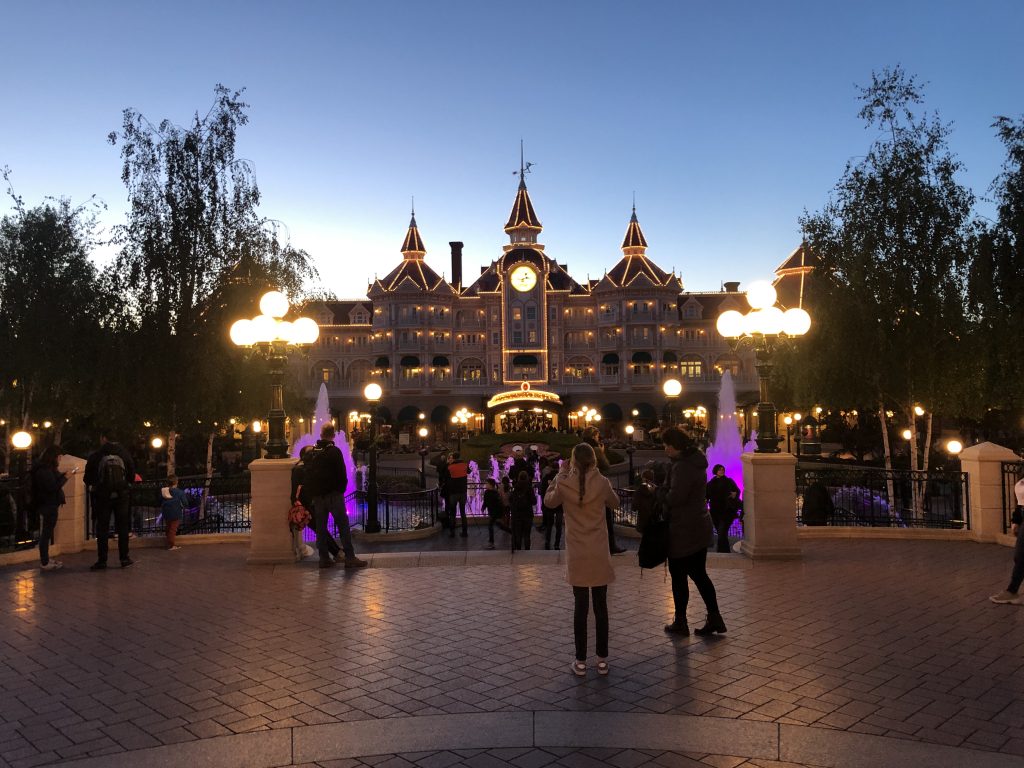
(888, 298)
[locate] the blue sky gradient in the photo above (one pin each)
(726, 119)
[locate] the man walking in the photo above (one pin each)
(1017, 529)
(458, 488)
(327, 481)
(109, 471)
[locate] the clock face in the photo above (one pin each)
(523, 278)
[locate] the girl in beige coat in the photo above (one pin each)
(583, 492)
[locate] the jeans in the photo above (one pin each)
(456, 501)
(693, 566)
(722, 520)
(1018, 562)
(48, 515)
(582, 596)
(332, 505)
(521, 528)
(101, 510)
(557, 521)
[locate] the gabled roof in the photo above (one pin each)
(630, 267)
(414, 270)
(800, 259)
(790, 276)
(522, 214)
(343, 309)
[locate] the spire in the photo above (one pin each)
(413, 248)
(523, 224)
(634, 243)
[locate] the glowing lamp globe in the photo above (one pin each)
(424, 431)
(21, 440)
(672, 388)
(274, 304)
(771, 320)
(241, 333)
(630, 429)
(918, 410)
(954, 447)
(286, 331)
(796, 322)
(730, 324)
(157, 443)
(907, 434)
(257, 426)
(373, 392)
(306, 331)
(761, 295)
(263, 329)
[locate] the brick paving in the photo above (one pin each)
(886, 638)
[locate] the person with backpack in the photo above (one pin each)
(327, 481)
(47, 496)
(109, 472)
(523, 503)
(173, 503)
(300, 495)
(581, 489)
(551, 517)
(689, 529)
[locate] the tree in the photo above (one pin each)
(193, 228)
(889, 297)
(997, 268)
(50, 307)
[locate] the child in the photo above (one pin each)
(494, 507)
(173, 505)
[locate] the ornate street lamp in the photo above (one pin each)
(21, 442)
(373, 393)
(763, 328)
(423, 432)
(271, 337)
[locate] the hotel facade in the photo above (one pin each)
(523, 343)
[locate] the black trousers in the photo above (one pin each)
(522, 525)
(1018, 563)
(722, 520)
(583, 596)
(557, 522)
(613, 546)
(48, 515)
(101, 511)
(693, 566)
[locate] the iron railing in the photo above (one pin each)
(215, 505)
(836, 495)
(625, 514)
(19, 528)
(1012, 472)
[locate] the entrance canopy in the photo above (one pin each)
(524, 394)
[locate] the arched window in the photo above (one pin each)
(610, 364)
(325, 372)
(729, 363)
(691, 367)
(642, 364)
(579, 369)
(358, 373)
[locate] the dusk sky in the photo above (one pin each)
(726, 119)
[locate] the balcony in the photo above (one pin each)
(469, 346)
(607, 317)
(640, 317)
(575, 381)
(644, 379)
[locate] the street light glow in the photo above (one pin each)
(954, 447)
(424, 431)
(761, 295)
(274, 304)
(630, 429)
(21, 440)
(672, 387)
(157, 443)
(373, 392)
(907, 434)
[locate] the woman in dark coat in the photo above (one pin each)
(724, 501)
(47, 497)
(523, 503)
(689, 531)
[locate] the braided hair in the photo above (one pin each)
(583, 458)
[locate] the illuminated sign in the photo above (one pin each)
(524, 393)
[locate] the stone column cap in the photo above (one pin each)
(988, 452)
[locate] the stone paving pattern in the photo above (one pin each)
(878, 637)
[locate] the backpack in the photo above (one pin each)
(317, 479)
(653, 550)
(112, 477)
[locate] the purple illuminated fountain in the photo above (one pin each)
(321, 416)
(727, 445)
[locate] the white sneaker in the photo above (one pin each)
(53, 565)
(1008, 598)
(175, 548)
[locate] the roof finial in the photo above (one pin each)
(413, 198)
(634, 201)
(524, 167)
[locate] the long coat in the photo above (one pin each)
(587, 560)
(689, 524)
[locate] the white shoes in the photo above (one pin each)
(53, 565)
(1008, 598)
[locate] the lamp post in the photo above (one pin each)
(763, 328)
(373, 393)
(788, 421)
(797, 435)
(423, 432)
(672, 388)
(272, 337)
(21, 442)
(630, 450)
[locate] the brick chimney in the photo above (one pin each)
(732, 287)
(456, 247)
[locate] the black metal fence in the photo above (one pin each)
(875, 497)
(215, 505)
(19, 528)
(1012, 472)
(625, 514)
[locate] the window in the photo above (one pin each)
(692, 368)
(410, 373)
(578, 370)
(531, 313)
(690, 312)
(471, 371)
(642, 336)
(517, 338)
(531, 337)
(691, 334)
(440, 337)
(609, 369)
(517, 313)
(496, 338)
(326, 373)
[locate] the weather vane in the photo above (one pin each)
(524, 167)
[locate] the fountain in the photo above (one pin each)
(727, 445)
(476, 500)
(495, 470)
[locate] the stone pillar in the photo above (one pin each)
(769, 506)
(69, 535)
(271, 542)
(983, 465)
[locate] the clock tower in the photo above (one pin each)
(523, 270)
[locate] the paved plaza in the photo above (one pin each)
(863, 653)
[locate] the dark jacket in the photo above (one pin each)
(335, 464)
(520, 465)
(458, 478)
(719, 498)
(689, 524)
(643, 505)
(523, 501)
(47, 485)
(92, 464)
(546, 477)
(298, 480)
(603, 465)
(493, 504)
